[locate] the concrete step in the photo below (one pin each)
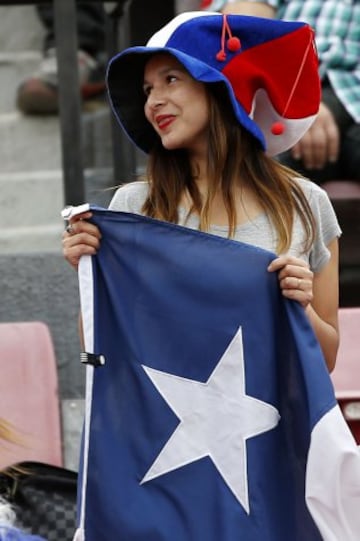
(30, 239)
(20, 29)
(36, 198)
(33, 143)
(29, 143)
(31, 204)
(33, 198)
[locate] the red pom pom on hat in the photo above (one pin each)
(277, 128)
(233, 44)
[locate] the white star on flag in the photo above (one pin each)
(216, 419)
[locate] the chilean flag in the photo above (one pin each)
(213, 416)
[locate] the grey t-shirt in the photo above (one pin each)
(259, 231)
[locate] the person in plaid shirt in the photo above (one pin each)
(331, 147)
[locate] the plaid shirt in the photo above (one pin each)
(337, 29)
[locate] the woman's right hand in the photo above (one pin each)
(80, 238)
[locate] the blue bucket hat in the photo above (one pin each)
(268, 69)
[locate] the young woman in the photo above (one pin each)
(209, 106)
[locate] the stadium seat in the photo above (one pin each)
(29, 398)
(346, 376)
(345, 197)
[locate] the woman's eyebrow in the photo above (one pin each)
(165, 70)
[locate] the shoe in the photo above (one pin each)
(39, 94)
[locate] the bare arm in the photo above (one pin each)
(323, 311)
(317, 293)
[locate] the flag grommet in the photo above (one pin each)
(92, 359)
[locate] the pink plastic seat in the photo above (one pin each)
(345, 197)
(29, 397)
(346, 376)
(342, 189)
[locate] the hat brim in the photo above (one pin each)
(124, 80)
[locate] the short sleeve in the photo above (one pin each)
(327, 227)
(130, 197)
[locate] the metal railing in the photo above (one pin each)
(70, 101)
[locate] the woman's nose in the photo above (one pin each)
(156, 97)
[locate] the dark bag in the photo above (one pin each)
(43, 497)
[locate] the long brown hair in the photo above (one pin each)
(233, 153)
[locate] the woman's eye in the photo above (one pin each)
(171, 78)
(147, 90)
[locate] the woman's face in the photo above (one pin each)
(176, 104)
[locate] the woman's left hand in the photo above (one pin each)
(295, 278)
